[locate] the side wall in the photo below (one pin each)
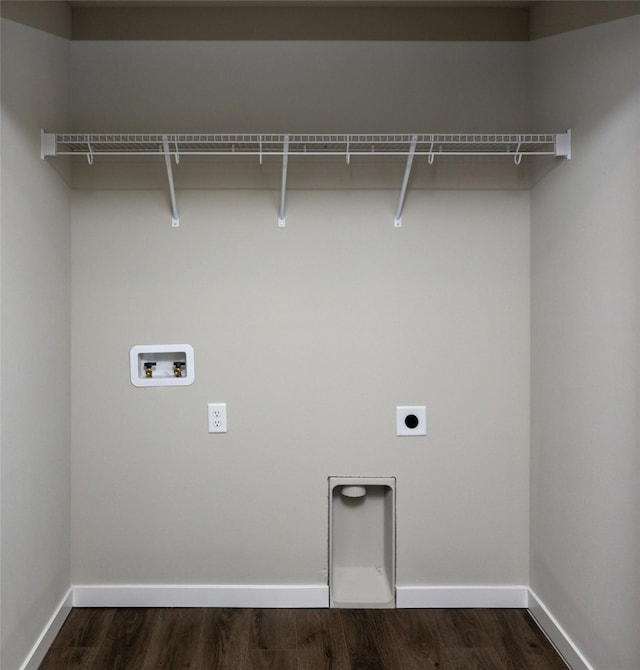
(312, 334)
(585, 528)
(35, 353)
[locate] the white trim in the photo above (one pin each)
(556, 634)
(311, 595)
(205, 595)
(304, 595)
(461, 596)
(48, 635)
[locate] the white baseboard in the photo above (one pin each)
(461, 596)
(48, 635)
(125, 595)
(200, 596)
(310, 595)
(556, 634)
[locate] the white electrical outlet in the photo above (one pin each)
(217, 413)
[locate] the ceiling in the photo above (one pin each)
(391, 20)
(227, 3)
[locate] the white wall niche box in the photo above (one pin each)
(161, 365)
(427, 146)
(411, 420)
(362, 542)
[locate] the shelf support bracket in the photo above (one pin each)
(397, 219)
(47, 144)
(283, 188)
(175, 218)
(563, 144)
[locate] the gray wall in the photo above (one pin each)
(35, 352)
(312, 334)
(585, 522)
(305, 87)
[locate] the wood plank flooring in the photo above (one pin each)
(300, 639)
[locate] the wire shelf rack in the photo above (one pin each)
(429, 145)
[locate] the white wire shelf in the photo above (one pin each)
(107, 144)
(429, 145)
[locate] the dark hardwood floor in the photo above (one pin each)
(300, 639)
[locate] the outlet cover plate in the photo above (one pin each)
(217, 416)
(411, 420)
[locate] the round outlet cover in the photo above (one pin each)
(411, 420)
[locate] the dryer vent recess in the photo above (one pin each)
(362, 542)
(161, 365)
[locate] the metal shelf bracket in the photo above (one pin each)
(563, 144)
(175, 218)
(283, 188)
(397, 219)
(47, 144)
